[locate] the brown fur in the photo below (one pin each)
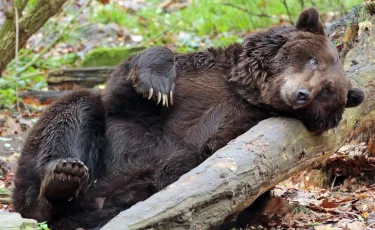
(134, 147)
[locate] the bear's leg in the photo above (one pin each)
(153, 74)
(60, 155)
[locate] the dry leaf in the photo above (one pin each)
(275, 205)
(346, 227)
(328, 204)
(13, 126)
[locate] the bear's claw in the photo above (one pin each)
(150, 93)
(63, 179)
(165, 99)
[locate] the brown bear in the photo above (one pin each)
(91, 156)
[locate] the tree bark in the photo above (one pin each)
(270, 152)
(28, 25)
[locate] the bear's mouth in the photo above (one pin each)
(301, 104)
(317, 125)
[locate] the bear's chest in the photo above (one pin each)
(208, 112)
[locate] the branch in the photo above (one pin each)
(288, 12)
(247, 11)
(28, 25)
(16, 56)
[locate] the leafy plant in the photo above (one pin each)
(299, 209)
(43, 226)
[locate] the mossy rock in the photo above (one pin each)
(108, 56)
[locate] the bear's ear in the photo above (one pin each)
(355, 97)
(309, 21)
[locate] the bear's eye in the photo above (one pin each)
(313, 62)
(326, 92)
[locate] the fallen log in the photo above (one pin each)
(44, 97)
(5, 198)
(270, 152)
(82, 77)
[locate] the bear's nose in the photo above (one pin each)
(303, 96)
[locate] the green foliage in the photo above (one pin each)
(43, 226)
(209, 22)
(315, 224)
(112, 13)
(300, 209)
(3, 191)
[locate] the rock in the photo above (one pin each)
(108, 56)
(14, 221)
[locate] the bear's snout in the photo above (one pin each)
(303, 97)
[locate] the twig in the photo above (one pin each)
(22, 78)
(247, 11)
(157, 36)
(288, 12)
(16, 57)
(333, 183)
(7, 167)
(158, 21)
(302, 2)
(30, 63)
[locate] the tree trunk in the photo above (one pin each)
(270, 152)
(28, 25)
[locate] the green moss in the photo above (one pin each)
(108, 56)
(3, 191)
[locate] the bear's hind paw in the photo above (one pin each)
(63, 179)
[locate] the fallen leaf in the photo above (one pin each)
(328, 204)
(323, 227)
(362, 196)
(275, 205)
(13, 126)
(300, 216)
(104, 2)
(345, 199)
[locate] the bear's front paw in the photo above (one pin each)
(153, 74)
(158, 88)
(63, 179)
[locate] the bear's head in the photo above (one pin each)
(297, 71)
